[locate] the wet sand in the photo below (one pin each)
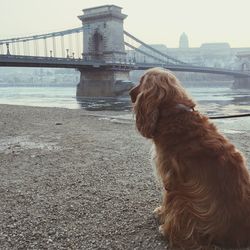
(73, 179)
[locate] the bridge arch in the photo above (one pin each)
(97, 44)
(245, 66)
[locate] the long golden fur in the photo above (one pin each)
(206, 183)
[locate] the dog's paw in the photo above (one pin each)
(161, 230)
(158, 211)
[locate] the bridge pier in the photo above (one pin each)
(241, 83)
(101, 82)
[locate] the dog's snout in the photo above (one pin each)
(133, 94)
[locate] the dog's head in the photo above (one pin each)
(158, 89)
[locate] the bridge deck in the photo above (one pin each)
(54, 62)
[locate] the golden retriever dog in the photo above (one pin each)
(206, 197)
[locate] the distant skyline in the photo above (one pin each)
(154, 22)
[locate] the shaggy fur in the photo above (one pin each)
(206, 182)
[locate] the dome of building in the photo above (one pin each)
(183, 43)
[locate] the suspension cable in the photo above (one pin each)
(153, 49)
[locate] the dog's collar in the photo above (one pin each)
(184, 107)
(178, 108)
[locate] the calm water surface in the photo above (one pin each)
(212, 101)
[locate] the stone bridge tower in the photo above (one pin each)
(103, 40)
(244, 62)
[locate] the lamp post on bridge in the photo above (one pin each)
(8, 49)
(67, 53)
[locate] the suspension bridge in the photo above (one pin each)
(100, 49)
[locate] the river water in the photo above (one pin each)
(211, 101)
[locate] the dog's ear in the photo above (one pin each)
(147, 110)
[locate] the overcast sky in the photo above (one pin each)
(153, 21)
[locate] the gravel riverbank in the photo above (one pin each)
(73, 179)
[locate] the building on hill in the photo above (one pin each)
(215, 46)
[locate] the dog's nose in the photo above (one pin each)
(131, 90)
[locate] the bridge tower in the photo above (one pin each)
(244, 60)
(103, 41)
